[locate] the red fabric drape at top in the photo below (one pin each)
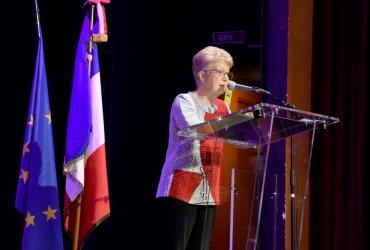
(340, 63)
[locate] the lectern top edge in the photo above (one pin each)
(258, 125)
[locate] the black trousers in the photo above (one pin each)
(183, 226)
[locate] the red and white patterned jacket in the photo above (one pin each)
(191, 171)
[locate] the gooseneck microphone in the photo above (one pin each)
(235, 86)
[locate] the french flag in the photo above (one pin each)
(86, 202)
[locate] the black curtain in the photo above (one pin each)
(340, 79)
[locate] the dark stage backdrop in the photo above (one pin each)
(341, 88)
(145, 63)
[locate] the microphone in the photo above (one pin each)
(235, 86)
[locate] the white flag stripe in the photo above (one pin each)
(97, 137)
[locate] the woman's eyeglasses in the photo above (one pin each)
(219, 74)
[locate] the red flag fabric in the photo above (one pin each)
(85, 159)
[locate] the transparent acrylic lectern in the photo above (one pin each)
(256, 128)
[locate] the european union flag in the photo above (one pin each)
(37, 195)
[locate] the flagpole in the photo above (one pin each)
(37, 19)
(89, 53)
(77, 224)
(79, 198)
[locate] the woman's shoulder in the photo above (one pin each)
(183, 97)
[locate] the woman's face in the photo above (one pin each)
(216, 78)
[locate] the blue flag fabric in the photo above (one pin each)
(79, 118)
(37, 193)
